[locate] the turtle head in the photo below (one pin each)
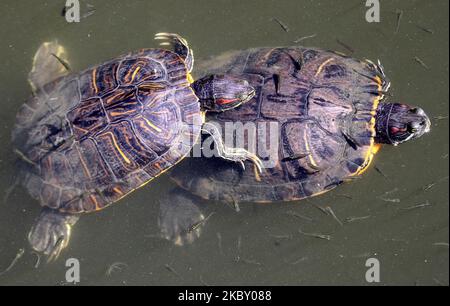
(218, 92)
(397, 123)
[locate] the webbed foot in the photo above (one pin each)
(179, 45)
(180, 219)
(49, 63)
(51, 232)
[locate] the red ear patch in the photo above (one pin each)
(225, 101)
(395, 130)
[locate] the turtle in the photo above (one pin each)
(85, 140)
(330, 116)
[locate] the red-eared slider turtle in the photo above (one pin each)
(329, 115)
(86, 140)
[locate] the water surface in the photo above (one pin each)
(411, 244)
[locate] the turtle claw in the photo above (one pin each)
(242, 165)
(233, 154)
(51, 233)
(240, 155)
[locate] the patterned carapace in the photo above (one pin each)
(95, 136)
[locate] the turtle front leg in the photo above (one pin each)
(233, 154)
(51, 232)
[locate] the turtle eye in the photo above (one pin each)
(414, 110)
(411, 128)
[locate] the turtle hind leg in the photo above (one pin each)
(49, 63)
(233, 154)
(180, 47)
(51, 232)
(180, 218)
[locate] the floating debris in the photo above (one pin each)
(354, 219)
(427, 187)
(399, 20)
(281, 236)
(426, 204)
(391, 191)
(196, 225)
(219, 242)
(294, 214)
(431, 185)
(250, 262)
(391, 200)
(427, 30)
(57, 249)
(441, 117)
(301, 259)
(346, 11)
(172, 270)
(281, 24)
(64, 63)
(363, 255)
(321, 209)
(238, 252)
(438, 282)
(397, 240)
(299, 40)
(315, 235)
(380, 172)
(15, 260)
(347, 47)
(203, 282)
(90, 11)
(395, 200)
(115, 267)
(331, 213)
(445, 244)
(344, 196)
(421, 62)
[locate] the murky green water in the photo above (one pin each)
(411, 244)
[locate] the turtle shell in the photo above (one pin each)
(322, 106)
(89, 139)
